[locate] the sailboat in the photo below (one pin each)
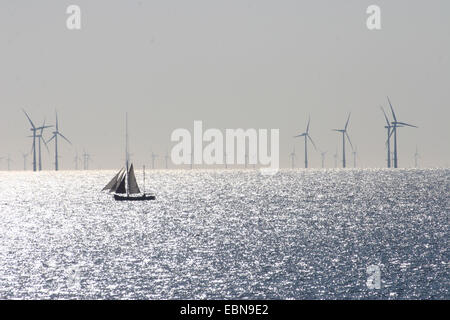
(125, 187)
(124, 184)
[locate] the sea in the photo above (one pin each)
(230, 234)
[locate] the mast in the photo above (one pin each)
(143, 169)
(126, 149)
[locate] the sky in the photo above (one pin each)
(260, 64)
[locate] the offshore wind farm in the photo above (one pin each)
(391, 130)
(290, 151)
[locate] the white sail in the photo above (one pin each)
(113, 181)
(132, 184)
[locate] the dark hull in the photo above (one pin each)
(145, 197)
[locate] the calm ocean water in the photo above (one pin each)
(226, 235)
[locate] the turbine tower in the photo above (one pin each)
(344, 134)
(293, 156)
(355, 154)
(33, 148)
(397, 124)
(254, 158)
(322, 154)
(306, 137)
(192, 160)
(87, 158)
(389, 127)
(335, 156)
(154, 156)
(225, 160)
(76, 160)
(25, 156)
(8, 161)
(416, 158)
(56, 133)
(40, 139)
(166, 159)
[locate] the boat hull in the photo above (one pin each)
(144, 197)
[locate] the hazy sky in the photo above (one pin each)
(250, 64)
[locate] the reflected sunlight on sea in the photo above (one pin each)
(226, 234)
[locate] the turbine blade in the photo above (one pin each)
(385, 116)
(312, 142)
(45, 143)
(348, 119)
(44, 127)
(56, 113)
(307, 127)
(348, 137)
(300, 135)
(63, 137)
(392, 110)
(53, 136)
(31, 122)
(391, 131)
(406, 124)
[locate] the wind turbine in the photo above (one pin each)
(41, 139)
(154, 156)
(34, 129)
(322, 154)
(389, 128)
(344, 134)
(225, 160)
(166, 159)
(293, 156)
(416, 158)
(253, 157)
(8, 161)
(397, 124)
(335, 156)
(87, 158)
(355, 154)
(56, 133)
(192, 160)
(76, 159)
(306, 136)
(25, 156)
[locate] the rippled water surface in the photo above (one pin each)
(226, 234)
